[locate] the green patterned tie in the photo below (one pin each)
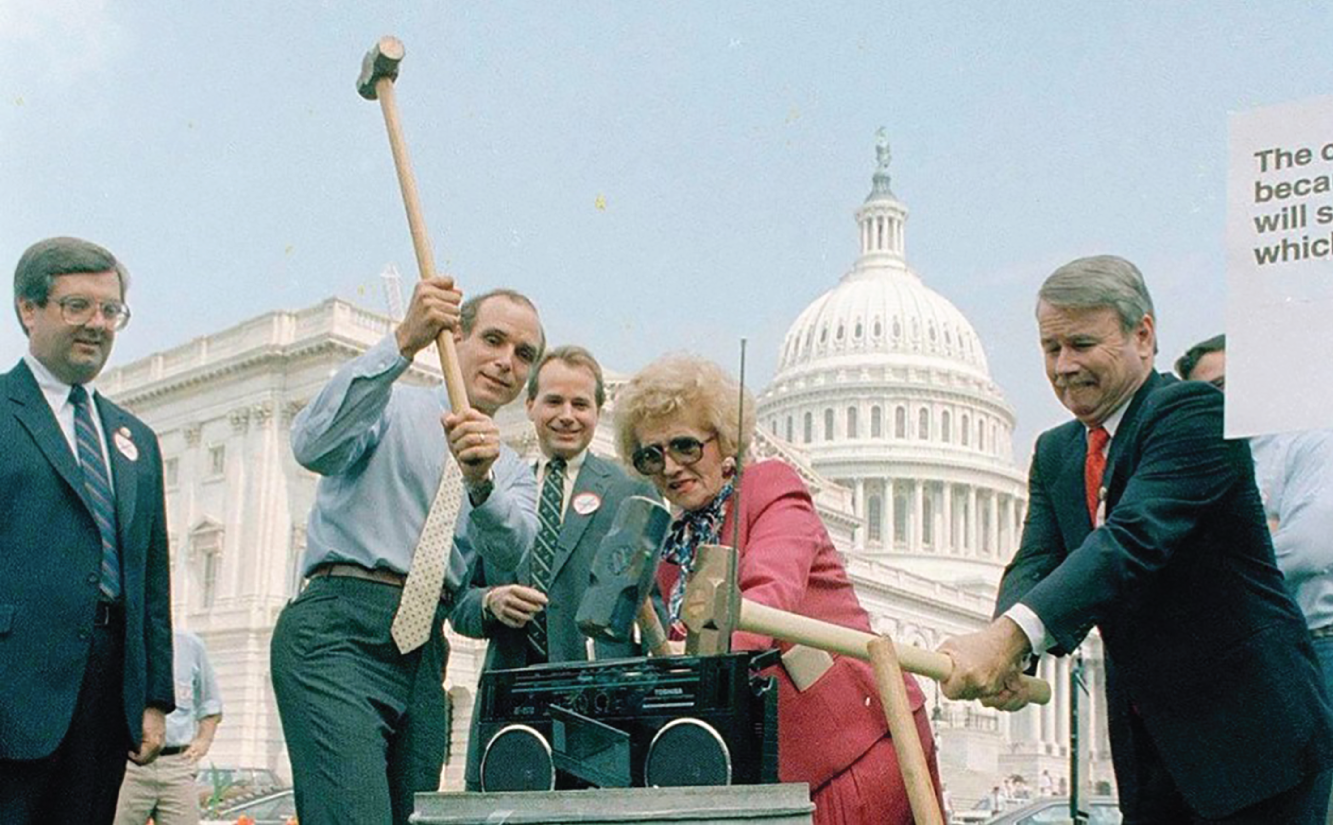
(543, 552)
(98, 484)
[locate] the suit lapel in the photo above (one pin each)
(591, 479)
(124, 471)
(1119, 456)
(32, 411)
(1068, 492)
(523, 573)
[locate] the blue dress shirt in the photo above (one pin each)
(381, 450)
(197, 695)
(1293, 472)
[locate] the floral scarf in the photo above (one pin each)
(691, 529)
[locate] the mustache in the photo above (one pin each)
(1075, 379)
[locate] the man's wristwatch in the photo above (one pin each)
(479, 492)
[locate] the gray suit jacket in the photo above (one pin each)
(580, 537)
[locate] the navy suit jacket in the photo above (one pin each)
(1204, 647)
(50, 563)
(580, 537)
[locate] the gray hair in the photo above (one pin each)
(46, 260)
(1100, 281)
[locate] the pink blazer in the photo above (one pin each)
(787, 561)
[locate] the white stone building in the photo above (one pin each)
(882, 401)
(883, 384)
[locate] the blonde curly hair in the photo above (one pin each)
(677, 386)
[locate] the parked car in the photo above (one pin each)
(221, 785)
(981, 812)
(1051, 810)
(276, 808)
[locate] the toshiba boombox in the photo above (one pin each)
(662, 721)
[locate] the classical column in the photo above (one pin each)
(864, 512)
(946, 539)
(1062, 721)
(1051, 709)
(993, 518)
(914, 529)
(887, 510)
(1089, 733)
(972, 521)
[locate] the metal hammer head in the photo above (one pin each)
(623, 570)
(712, 604)
(380, 61)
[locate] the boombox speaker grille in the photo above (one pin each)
(687, 751)
(517, 758)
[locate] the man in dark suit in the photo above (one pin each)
(85, 618)
(1215, 706)
(529, 614)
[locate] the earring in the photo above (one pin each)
(728, 467)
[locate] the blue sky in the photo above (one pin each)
(220, 149)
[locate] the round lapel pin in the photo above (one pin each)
(125, 444)
(587, 503)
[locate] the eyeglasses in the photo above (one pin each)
(650, 459)
(78, 310)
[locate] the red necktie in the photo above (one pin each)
(1094, 467)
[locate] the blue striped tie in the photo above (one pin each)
(98, 485)
(543, 552)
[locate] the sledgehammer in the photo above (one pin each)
(379, 69)
(713, 609)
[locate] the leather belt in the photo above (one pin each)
(172, 750)
(377, 574)
(108, 614)
(356, 571)
(1322, 632)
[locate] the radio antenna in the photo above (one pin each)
(740, 441)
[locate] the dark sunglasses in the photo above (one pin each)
(684, 450)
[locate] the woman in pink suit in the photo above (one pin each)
(676, 422)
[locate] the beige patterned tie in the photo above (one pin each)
(421, 592)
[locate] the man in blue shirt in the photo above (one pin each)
(165, 790)
(364, 718)
(1294, 472)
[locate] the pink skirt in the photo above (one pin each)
(870, 791)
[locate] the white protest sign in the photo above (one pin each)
(1280, 269)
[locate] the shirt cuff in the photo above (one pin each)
(480, 493)
(1032, 626)
(384, 359)
(212, 707)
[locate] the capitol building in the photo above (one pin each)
(882, 401)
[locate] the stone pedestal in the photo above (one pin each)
(786, 804)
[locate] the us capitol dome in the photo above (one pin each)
(882, 383)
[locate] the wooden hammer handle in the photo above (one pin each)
(651, 632)
(449, 366)
(790, 627)
(906, 738)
